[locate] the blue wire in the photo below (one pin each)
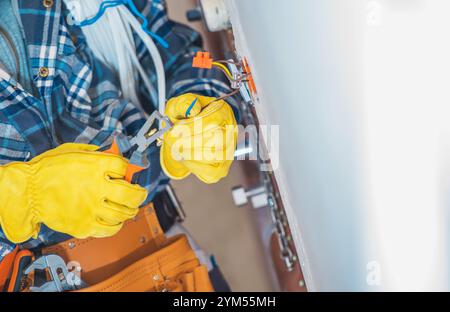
(105, 5)
(113, 3)
(144, 26)
(188, 111)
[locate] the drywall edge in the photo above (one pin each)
(243, 51)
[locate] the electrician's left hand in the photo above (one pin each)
(203, 139)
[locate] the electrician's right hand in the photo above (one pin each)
(72, 189)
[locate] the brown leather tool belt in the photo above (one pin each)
(138, 258)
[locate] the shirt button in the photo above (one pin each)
(48, 3)
(43, 72)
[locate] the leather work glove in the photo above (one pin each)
(202, 140)
(72, 189)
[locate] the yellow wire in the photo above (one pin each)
(224, 68)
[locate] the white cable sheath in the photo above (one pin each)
(111, 40)
(156, 57)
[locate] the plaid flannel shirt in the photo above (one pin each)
(78, 99)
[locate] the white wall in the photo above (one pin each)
(360, 91)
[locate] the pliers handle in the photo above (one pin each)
(131, 168)
(145, 136)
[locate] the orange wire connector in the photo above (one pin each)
(202, 60)
(251, 82)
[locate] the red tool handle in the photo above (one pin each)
(131, 168)
(6, 267)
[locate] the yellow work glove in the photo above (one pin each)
(203, 139)
(72, 189)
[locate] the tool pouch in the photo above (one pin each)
(138, 258)
(12, 269)
(6, 268)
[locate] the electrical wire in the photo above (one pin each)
(234, 80)
(144, 24)
(111, 40)
(113, 3)
(156, 57)
(109, 34)
(188, 110)
(103, 6)
(225, 96)
(224, 69)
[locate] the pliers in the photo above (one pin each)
(58, 271)
(140, 143)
